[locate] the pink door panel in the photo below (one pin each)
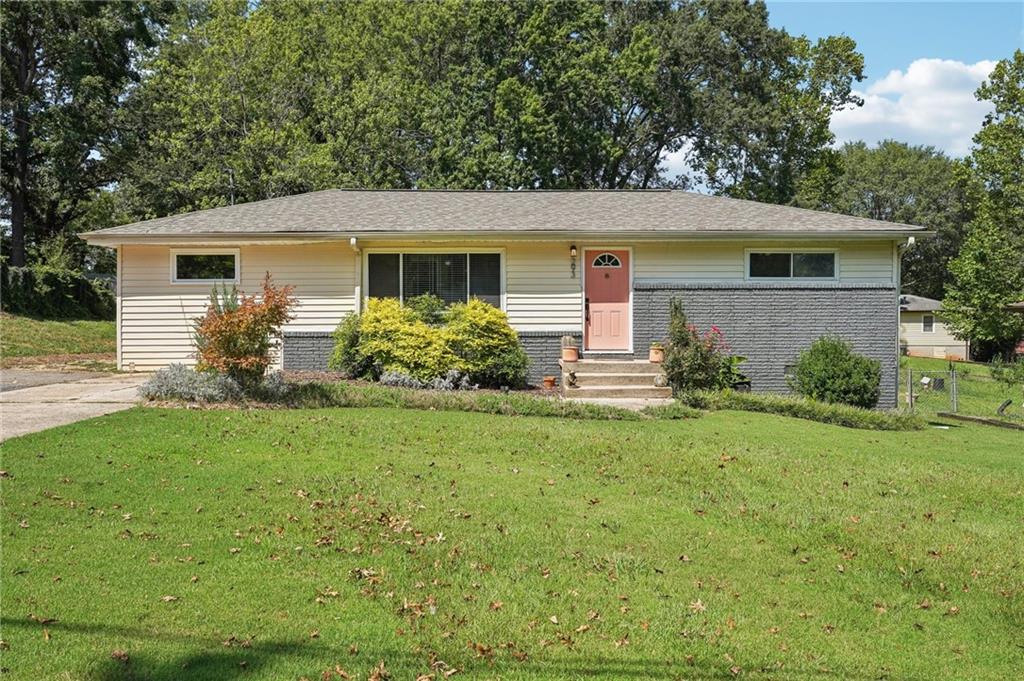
(607, 300)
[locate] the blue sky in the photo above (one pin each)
(923, 62)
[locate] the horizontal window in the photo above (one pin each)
(452, 277)
(795, 265)
(205, 267)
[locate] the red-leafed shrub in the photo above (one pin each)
(236, 335)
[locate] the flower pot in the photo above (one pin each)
(570, 354)
(657, 355)
(549, 382)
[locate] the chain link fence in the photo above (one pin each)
(935, 391)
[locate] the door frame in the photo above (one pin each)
(583, 298)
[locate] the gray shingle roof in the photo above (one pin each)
(368, 212)
(909, 303)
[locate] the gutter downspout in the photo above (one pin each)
(354, 245)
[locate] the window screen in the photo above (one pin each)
(485, 277)
(383, 275)
(814, 265)
(443, 274)
(204, 267)
(928, 323)
(793, 265)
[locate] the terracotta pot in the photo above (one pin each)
(657, 355)
(549, 382)
(570, 354)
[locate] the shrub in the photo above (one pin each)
(179, 382)
(480, 335)
(803, 408)
(399, 379)
(236, 335)
(829, 371)
(428, 307)
(695, 361)
(346, 357)
(1007, 373)
(54, 293)
(393, 338)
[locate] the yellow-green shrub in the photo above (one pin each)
(480, 335)
(394, 338)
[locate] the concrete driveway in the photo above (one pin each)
(31, 401)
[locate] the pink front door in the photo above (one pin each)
(606, 277)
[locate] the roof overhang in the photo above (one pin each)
(105, 238)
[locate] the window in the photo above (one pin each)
(204, 267)
(607, 260)
(784, 265)
(452, 277)
(928, 323)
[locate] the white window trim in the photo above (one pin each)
(583, 296)
(175, 252)
(455, 251)
(925, 329)
(790, 250)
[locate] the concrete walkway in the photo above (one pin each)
(66, 398)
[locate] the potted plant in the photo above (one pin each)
(549, 382)
(657, 353)
(570, 350)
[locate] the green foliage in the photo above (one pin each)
(66, 69)
(1008, 373)
(346, 357)
(898, 182)
(51, 293)
(695, 361)
(803, 408)
(988, 275)
(394, 338)
(429, 308)
(480, 335)
(251, 100)
(830, 371)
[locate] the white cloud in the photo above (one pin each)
(932, 102)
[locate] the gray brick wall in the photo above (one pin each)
(544, 349)
(770, 324)
(307, 350)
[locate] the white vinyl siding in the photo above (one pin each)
(940, 342)
(157, 315)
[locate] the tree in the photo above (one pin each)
(65, 68)
(897, 182)
(987, 276)
(997, 158)
(248, 101)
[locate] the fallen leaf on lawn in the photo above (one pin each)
(925, 604)
(379, 673)
(593, 615)
(684, 558)
(698, 606)
(46, 634)
(120, 655)
(953, 610)
(496, 605)
(553, 619)
(23, 524)
(735, 671)
(168, 599)
(622, 642)
(234, 549)
(582, 628)
(42, 620)
(315, 633)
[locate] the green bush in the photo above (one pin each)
(480, 335)
(394, 338)
(830, 371)
(1007, 373)
(803, 408)
(54, 293)
(389, 337)
(696, 361)
(429, 308)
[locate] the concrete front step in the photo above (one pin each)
(587, 379)
(617, 392)
(609, 366)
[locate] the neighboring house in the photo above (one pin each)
(923, 332)
(601, 266)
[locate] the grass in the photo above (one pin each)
(30, 337)
(979, 394)
(167, 543)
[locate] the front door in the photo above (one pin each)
(606, 308)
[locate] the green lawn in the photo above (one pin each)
(979, 393)
(29, 337)
(209, 544)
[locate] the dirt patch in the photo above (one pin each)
(97, 361)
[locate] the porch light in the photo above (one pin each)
(572, 260)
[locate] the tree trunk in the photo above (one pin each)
(22, 148)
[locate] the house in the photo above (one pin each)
(601, 266)
(923, 333)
